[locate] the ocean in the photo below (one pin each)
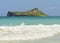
(29, 20)
(30, 29)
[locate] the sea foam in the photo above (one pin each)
(28, 32)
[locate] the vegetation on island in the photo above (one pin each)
(33, 12)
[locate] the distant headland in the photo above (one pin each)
(33, 12)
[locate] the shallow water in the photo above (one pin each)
(45, 40)
(30, 29)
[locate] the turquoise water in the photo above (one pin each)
(29, 20)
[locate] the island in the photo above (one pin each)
(33, 12)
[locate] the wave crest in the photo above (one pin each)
(26, 32)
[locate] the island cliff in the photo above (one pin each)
(33, 12)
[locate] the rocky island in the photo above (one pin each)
(33, 12)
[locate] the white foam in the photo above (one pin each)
(27, 32)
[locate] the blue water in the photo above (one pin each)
(29, 20)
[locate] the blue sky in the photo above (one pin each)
(50, 7)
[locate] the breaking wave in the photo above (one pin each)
(28, 32)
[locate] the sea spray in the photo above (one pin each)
(28, 32)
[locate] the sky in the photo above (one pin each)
(50, 7)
